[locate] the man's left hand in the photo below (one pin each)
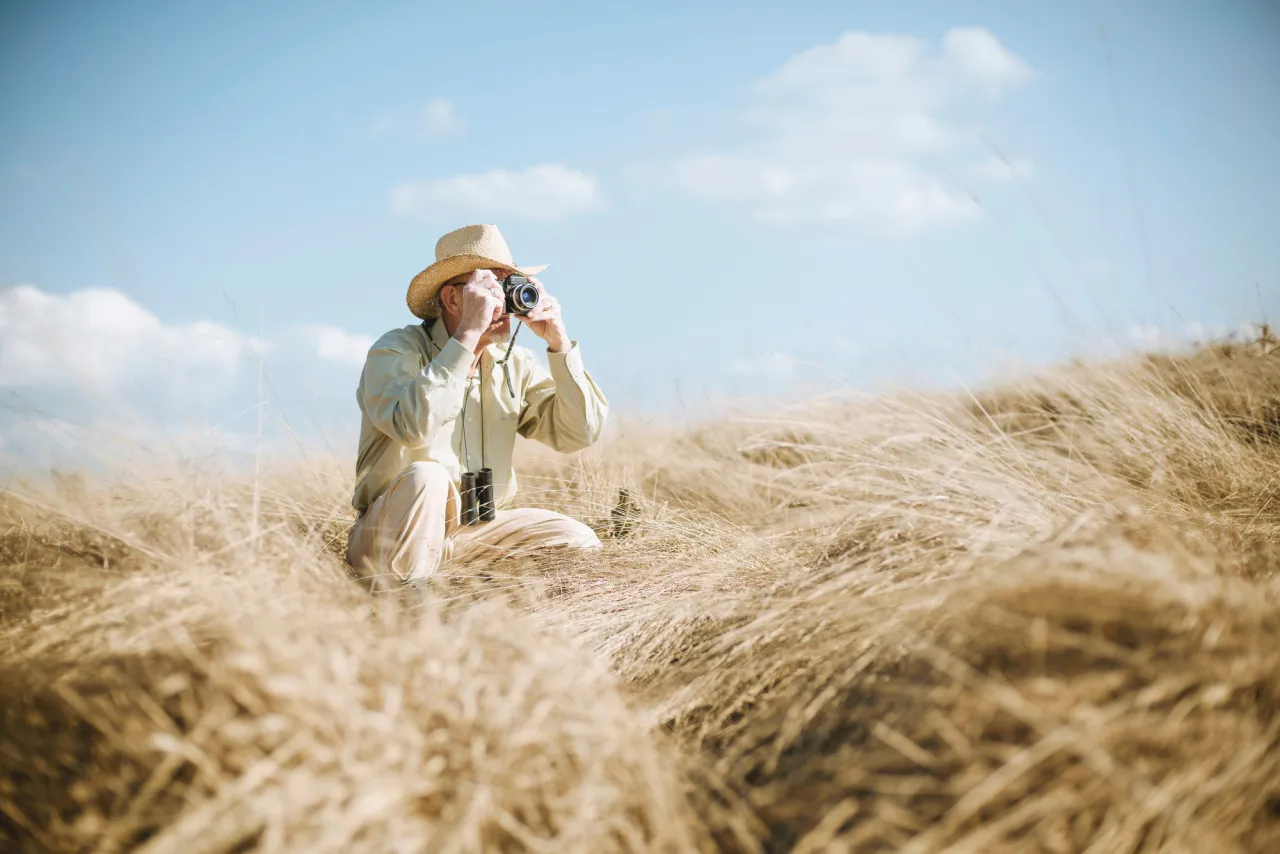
(545, 320)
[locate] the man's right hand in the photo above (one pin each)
(482, 303)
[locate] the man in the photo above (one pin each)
(437, 399)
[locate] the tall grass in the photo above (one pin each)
(1043, 617)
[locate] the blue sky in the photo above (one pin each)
(734, 198)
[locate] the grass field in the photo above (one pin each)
(1043, 617)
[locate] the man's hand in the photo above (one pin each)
(482, 303)
(545, 321)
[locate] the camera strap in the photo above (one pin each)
(484, 427)
(506, 374)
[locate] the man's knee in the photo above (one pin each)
(404, 529)
(418, 483)
(549, 528)
(424, 475)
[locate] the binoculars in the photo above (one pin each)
(476, 490)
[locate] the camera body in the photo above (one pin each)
(520, 294)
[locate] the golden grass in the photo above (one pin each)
(1044, 617)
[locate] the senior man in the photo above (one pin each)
(448, 396)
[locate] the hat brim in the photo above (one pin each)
(426, 285)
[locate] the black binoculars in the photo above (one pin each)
(476, 490)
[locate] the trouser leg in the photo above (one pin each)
(402, 534)
(520, 530)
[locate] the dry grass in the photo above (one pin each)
(1041, 618)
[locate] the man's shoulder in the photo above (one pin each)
(405, 339)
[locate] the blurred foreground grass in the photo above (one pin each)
(1040, 618)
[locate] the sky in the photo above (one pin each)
(736, 200)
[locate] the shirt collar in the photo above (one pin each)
(438, 334)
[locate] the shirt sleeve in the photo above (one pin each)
(410, 401)
(563, 407)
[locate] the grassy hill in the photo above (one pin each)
(1043, 617)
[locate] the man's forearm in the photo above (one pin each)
(469, 338)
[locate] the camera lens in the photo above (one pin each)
(525, 297)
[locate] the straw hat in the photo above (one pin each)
(472, 247)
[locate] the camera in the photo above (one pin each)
(521, 294)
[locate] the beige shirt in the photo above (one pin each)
(412, 391)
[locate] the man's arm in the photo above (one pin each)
(410, 401)
(563, 408)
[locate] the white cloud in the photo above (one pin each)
(546, 192)
(981, 59)
(338, 345)
(439, 119)
(864, 131)
(100, 340)
(95, 367)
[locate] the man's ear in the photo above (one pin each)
(447, 295)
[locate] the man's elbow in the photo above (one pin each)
(586, 434)
(596, 430)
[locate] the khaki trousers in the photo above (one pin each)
(412, 526)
